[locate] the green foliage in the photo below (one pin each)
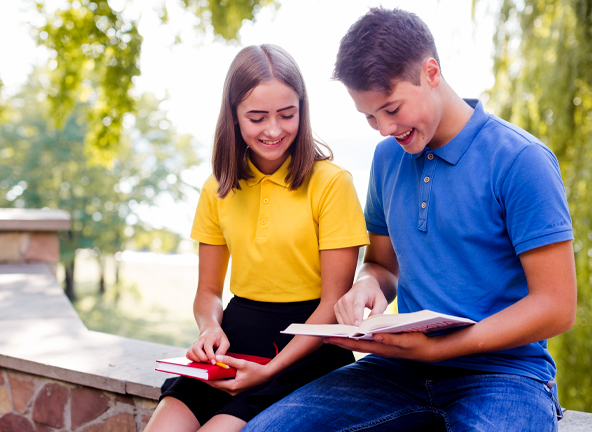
(225, 16)
(161, 240)
(89, 42)
(95, 54)
(43, 166)
(543, 83)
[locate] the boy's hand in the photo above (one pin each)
(248, 375)
(410, 346)
(365, 293)
(209, 340)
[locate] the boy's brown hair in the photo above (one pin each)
(383, 47)
(252, 66)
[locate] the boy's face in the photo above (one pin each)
(409, 113)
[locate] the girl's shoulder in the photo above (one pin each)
(210, 186)
(327, 168)
(325, 172)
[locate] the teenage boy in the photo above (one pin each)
(467, 216)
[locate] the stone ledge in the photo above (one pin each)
(575, 421)
(33, 220)
(41, 334)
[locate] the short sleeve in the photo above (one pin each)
(533, 197)
(374, 212)
(341, 220)
(206, 226)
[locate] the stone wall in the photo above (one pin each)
(55, 374)
(30, 403)
(31, 236)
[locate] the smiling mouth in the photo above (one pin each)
(404, 135)
(271, 142)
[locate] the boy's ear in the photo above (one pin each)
(431, 70)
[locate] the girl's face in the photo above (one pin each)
(269, 119)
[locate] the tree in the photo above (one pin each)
(44, 166)
(543, 83)
(89, 41)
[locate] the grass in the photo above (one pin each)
(151, 302)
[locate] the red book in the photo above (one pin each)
(203, 371)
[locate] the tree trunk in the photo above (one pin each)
(117, 267)
(102, 273)
(69, 280)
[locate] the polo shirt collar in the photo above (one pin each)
(452, 151)
(278, 177)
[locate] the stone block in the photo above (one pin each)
(22, 391)
(43, 428)
(146, 404)
(122, 422)
(10, 247)
(44, 247)
(15, 423)
(50, 405)
(125, 399)
(145, 420)
(5, 406)
(87, 404)
(24, 243)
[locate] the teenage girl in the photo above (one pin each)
(292, 222)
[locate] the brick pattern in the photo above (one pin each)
(24, 247)
(30, 403)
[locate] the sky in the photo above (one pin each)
(192, 73)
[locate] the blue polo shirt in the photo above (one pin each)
(459, 216)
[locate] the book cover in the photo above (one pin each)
(203, 371)
(424, 321)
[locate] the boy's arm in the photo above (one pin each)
(376, 283)
(548, 310)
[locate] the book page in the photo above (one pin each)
(424, 321)
(329, 330)
(183, 370)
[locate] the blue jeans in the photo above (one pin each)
(377, 394)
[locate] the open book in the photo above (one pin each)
(203, 371)
(424, 321)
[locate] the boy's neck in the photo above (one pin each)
(455, 114)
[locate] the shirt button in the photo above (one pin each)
(426, 180)
(423, 205)
(263, 221)
(265, 200)
(430, 156)
(265, 181)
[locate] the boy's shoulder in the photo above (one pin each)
(507, 133)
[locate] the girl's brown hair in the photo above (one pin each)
(252, 66)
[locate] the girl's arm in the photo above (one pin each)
(338, 267)
(207, 306)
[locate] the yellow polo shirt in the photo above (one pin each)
(274, 235)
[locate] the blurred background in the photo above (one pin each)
(108, 108)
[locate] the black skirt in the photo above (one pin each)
(253, 328)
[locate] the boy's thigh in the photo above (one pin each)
(497, 402)
(372, 394)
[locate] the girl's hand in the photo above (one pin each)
(248, 375)
(211, 341)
